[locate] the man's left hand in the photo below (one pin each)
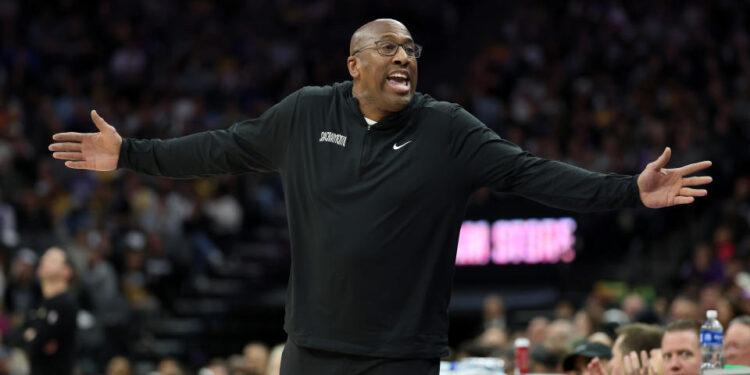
(662, 187)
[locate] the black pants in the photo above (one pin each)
(298, 360)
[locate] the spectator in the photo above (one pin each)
(8, 230)
(680, 348)
(224, 213)
(684, 308)
(491, 341)
(601, 337)
(703, 266)
(274, 360)
(635, 337)
(737, 342)
(632, 304)
(217, 366)
(576, 362)
(99, 282)
(564, 310)
(583, 325)
(134, 280)
(543, 360)
(18, 363)
(159, 269)
(236, 364)
(536, 330)
(170, 366)
(559, 335)
(22, 292)
(493, 312)
(256, 358)
(119, 366)
(51, 335)
(725, 311)
(5, 355)
(710, 295)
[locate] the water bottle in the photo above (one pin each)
(474, 366)
(711, 342)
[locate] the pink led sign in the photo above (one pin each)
(530, 241)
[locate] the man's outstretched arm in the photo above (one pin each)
(196, 155)
(491, 161)
(258, 144)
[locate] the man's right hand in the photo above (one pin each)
(643, 364)
(93, 151)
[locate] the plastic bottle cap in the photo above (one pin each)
(521, 342)
(711, 314)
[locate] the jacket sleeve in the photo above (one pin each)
(258, 144)
(488, 160)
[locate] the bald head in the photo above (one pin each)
(384, 81)
(372, 30)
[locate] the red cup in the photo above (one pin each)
(522, 355)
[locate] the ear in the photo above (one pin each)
(353, 64)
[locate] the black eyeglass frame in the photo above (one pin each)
(417, 48)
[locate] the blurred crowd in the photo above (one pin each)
(665, 335)
(603, 84)
(255, 359)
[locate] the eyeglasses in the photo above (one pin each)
(390, 48)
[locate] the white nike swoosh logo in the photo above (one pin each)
(396, 147)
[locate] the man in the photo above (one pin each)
(576, 362)
(543, 360)
(493, 312)
(637, 337)
(632, 304)
(119, 366)
(274, 360)
(170, 366)
(376, 179)
(255, 355)
(684, 308)
(635, 351)
(51, 336)
(737, 341)
(680, 348)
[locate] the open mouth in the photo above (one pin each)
(399, 82)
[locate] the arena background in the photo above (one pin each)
(196, 269)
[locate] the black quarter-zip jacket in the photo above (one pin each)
(375, 211)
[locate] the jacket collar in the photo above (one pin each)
(393, 120)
